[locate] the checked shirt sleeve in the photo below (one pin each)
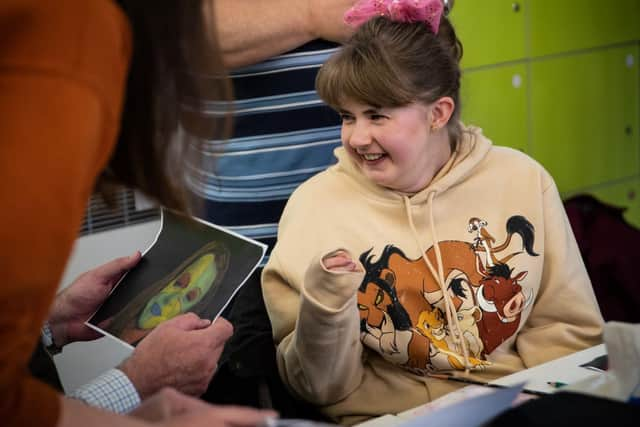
(112, 391)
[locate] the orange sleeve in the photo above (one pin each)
(58, 122)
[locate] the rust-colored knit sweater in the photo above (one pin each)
(63, 68)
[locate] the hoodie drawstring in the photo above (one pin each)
(450, 310)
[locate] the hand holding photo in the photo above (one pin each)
(192, 266)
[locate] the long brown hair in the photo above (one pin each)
(392, 64)
(171, 45)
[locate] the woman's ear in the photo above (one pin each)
(441, 111)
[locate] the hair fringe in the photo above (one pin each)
(392, 64)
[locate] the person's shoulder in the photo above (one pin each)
(501, 152)
(87, 41)
(518, 163)
(315, 189)
(513, 157)
(62, 34)
(313, 197)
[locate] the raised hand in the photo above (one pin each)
(340, 260)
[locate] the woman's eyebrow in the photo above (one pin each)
(368, 111)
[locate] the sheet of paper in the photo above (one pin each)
(387, 420)
(471, 412)
(566, 370)
(459, 395)
(192, 266)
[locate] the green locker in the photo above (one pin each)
(495, 100)
(584, 110)
(566, 25)
(491, 31)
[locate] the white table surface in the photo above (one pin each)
(565, 370)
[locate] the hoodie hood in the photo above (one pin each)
(471, 150)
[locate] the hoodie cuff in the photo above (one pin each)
(331, 289)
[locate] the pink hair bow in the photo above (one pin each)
(428, 11)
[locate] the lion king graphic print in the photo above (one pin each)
(402, 306)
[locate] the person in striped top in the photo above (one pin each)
(282, 134)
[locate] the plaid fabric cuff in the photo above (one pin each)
(112, 391)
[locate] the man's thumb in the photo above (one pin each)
(118, 266)
(189, 321)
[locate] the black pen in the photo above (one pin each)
(482, 383)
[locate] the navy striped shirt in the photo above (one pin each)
(283, 134)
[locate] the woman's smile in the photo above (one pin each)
(394, 147)
(373, 158)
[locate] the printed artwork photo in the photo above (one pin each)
(192, 266)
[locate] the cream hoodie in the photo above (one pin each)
(479, 272)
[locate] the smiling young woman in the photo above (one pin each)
(397, 275)
(400, 148)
